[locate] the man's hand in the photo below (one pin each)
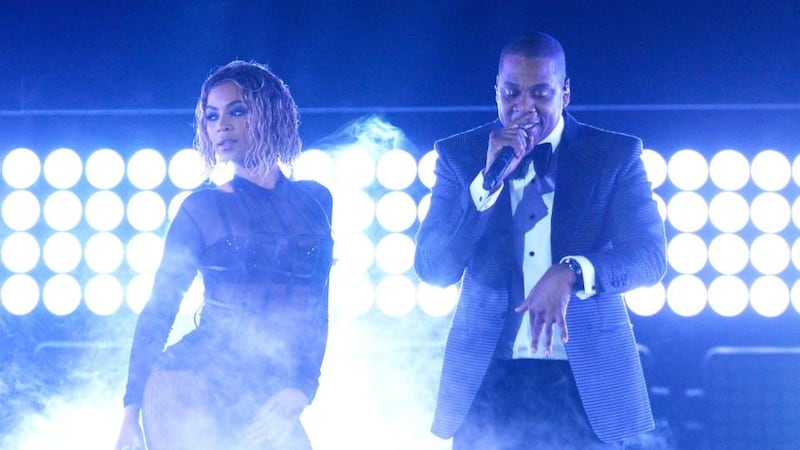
(515, 135)
(547, 304)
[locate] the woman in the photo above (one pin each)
(263, 247)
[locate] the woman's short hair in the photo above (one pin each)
(272, 117)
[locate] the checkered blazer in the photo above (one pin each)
(603, 210)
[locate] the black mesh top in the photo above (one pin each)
(264, 256)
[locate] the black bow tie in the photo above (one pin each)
(540, 155)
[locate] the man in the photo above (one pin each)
(541, 352)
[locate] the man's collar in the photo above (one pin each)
(554, 138)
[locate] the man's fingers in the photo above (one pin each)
(536, 329)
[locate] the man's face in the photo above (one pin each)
(531, 86)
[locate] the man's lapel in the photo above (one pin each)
(577, 175)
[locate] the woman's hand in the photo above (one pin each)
(276, 420)
(130, 435)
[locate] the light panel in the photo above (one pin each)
(63, 210)
(105, 169)
(21, 210)
(769, 296)
(62, 252)
(395, 295)
(147, 169)
(20, 252)
(104, 211)
(19, 294)
(21, 168)
(729, 170)
(771, 170)
(186, 169)
(396, 169)
(62, 294)
(63, 168)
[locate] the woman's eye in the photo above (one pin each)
(238, 112)
(212, 117)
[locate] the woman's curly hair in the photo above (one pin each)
(272, 117)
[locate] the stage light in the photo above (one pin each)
(19, 294)
(770, 212)
(395, 295)
(63, 168)
(770, 254)
(396, 169)
(687, 211)
(729, 170)
(425, 168)
(353, 251)
(146, 211)
(769, 296)
(646, 301)
(686, 295)
(771, 170)
(437, 301)
(796, 254)
(143, 252)
(62, 252)
(21, 168)
(351, 294)
(105, 169)
(687, 253)
(423, 207)
(729, 212)
(796, 170)
(138, 291)
(186, 169)
(394, 253)
(61, 294)
(796, 212)
(315, 164)
(728, 296)
(728, 254)
(795, 295)
(147, 169)
(655, 166)
(62, 211)
(104, 211)
(353, 211)
(687, 170)
(355, 168)
(103, 253)
(21, 210)
(20, 252)
(396, 211)
(103, 294)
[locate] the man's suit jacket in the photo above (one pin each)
(603, 210)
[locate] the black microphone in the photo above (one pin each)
(498, 167)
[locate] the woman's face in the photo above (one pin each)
(226, 121)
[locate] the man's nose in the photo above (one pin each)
(525, 101)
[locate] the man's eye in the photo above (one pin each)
(510, 93)
(539, 94)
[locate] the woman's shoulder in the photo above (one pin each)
(315, 190)
(203, 197)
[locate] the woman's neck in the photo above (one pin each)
(267, 181)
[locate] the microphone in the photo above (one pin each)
(500, 164)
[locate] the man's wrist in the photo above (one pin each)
(575, 267)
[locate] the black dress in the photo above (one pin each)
(264, 256)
